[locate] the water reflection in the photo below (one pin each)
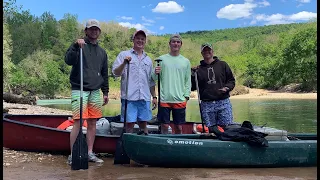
(291, 115)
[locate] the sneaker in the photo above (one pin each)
(69, 159)
(93, 158)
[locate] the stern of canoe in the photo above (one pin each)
(191, 151)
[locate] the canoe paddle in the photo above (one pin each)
(80, 147)
(199, 101)
(121, 156)
(158, 64)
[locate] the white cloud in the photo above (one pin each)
(129, 25)
(161, 27)
(168, 7)
(253, 22)
(126, 18)
(159, 18)
(147, 20)
(275, 17)
(284, 19)
(279, 22)
(147, 24)
(302, 16)
(235, 11)
(137, 26)
(304, 1)
(264, 3)
(245, 10)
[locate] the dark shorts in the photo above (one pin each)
(217, 112)
(178, 115)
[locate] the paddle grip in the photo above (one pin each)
(158, 64)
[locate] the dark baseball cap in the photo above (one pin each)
(204, 45)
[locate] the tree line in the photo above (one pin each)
(261, 57)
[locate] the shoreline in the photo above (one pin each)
(253, 94)
(269, 94)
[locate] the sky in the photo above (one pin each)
(168, 17)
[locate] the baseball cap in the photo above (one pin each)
(206, 45)
(139, 32)
(93, 22)
(176, 37)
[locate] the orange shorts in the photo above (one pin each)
(91, 105)
(174, 105)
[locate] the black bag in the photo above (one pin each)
(245, 133)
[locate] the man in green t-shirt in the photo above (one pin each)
(175, 83)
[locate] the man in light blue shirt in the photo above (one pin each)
(140, 86)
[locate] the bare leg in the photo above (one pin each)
(178, 129)
(129, 128)
(91, 133)
(143, 126)
(74, 133)
(164, 128)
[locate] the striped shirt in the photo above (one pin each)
(140, 79)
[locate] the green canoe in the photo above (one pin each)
(191, 150)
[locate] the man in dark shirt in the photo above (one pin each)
(95, 77)
(215, 80)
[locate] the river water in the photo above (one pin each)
(290, 115)
(293, 115)
(55, 168)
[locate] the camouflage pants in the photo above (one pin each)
(217, 112)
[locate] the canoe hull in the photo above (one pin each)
(39, 133)
(29, 137)
(190, 151)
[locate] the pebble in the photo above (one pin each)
(6, 164)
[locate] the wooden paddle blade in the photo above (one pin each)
(120, 156)
(80, 153)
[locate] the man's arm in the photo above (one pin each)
(118, 65)
(105, 75)
(230, 81)
(188, 82)
(72, 55)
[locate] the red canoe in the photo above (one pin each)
(40, 133)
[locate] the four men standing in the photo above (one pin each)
(215, 82)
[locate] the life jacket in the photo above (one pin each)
(69, 122)
(206, 129)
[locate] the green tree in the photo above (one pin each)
(39, 74)
(7, 64)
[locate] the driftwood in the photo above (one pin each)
(14, 98)
(5, 110)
